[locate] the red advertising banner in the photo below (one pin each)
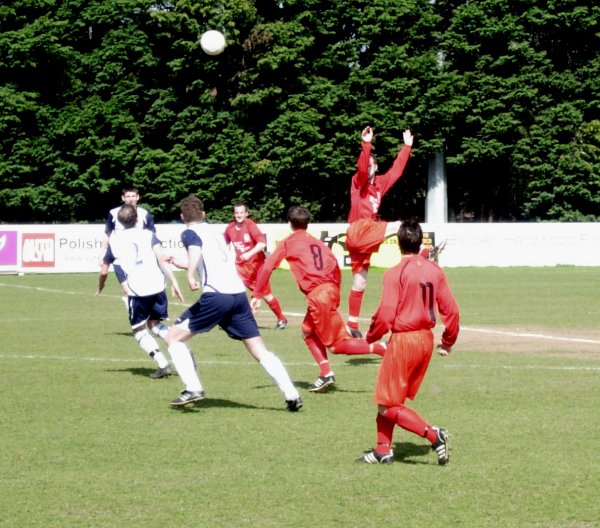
(37, 250)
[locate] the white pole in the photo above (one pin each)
(436, 203)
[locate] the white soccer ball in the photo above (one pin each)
(212, 42)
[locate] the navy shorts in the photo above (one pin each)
(151, 307)
(231, 311)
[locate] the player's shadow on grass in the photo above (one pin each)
(370, 359)
(406, 452)
(217, 403)
(136, 371)
(122, 334)
(305, 384)
(332, 388)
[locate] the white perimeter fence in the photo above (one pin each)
(61, 248)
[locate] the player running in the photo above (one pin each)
(223, 302)
(318, 276)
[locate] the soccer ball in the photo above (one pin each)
(212, 42)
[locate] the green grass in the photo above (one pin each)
(88, 440)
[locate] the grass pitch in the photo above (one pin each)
(88, 440)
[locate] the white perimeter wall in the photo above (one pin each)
(77, 248)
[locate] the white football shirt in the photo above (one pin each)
(133, 252)
(216, 269)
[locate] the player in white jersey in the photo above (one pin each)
(145, 220)
(223, 302)
(141, 266)
(216, 265)
(130, 196)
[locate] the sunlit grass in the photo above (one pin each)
(89, 440)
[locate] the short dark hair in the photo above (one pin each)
(192, 208)
(410, 236)
(130, 189)
(298, 217)
(128, 216)
(240, 204)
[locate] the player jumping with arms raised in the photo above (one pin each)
(366, 232)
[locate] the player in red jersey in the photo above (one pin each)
(250, 244)
(412, 292)
(366, 232)
(318, 276)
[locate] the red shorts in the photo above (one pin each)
(403, 367)
(322, 317)
(248, 272)
(363, 238)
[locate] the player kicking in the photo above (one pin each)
(318, 276)
(412, 292)
(223, 302)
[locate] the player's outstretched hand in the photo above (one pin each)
(367, 134)
(408, 138)
(444, 350)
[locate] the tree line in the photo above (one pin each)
(96, 95)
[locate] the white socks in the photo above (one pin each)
(160, 330)
(184, 364)
(274, 368)
(160, 359)
(149, 345)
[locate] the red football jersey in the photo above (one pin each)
(413, 292)
(311, 262)
(365, 197)
(245, 238)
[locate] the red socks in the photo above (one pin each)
(353, 347)
(378, 349)
(319, 352)
(411, 421)
(385, 430)
(276, 308)
(405, 418)
(354, 305)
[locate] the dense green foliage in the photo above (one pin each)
(98, 94)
